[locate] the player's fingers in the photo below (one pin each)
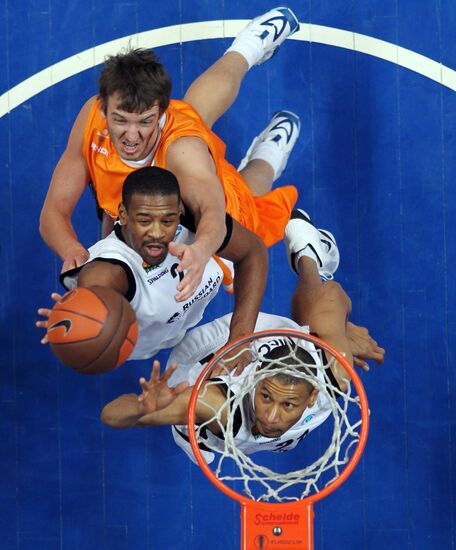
(155, 372)
(143, 396)
(44, 311)
(81, 260)
(56, 297)
(176, 249)
(379, 355)
(187, 259)
(144, 386)
(361, 363)
(189, 283)
(238, 369)
(184, 264)
(168, 373)
(181, 387)
(185, 291)
(44, 340)
(68, 265)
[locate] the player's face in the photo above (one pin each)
(132, 134)
(149, 225)
(278, 407)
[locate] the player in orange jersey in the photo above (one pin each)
(132, 123)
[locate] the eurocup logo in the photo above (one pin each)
(261, 542)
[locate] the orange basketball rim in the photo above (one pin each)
(281, 525)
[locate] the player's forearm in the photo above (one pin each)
(127, 412)
(211, 231)
(123, 412)
(249, 285)
(328, 318)
(329, 313)
(58, 233)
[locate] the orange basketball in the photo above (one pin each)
(92, 330)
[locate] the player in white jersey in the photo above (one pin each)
(279, 411)
(248, 436)
(162, 321)
(134, 261)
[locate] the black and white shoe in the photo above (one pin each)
(262, 37)
(276, 141)
(301, 233)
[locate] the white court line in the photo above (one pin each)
(176, 34)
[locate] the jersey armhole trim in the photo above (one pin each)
(131, 291)
(229, 232)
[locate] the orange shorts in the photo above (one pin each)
(266, 216)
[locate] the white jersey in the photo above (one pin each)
(162, 321)
(196, 349)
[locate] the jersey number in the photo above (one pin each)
(176, 273)
(283, 446)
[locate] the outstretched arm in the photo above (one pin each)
(363, 346)
(158, 404)
(94, 273)
(328, 315)
(325, 307)
(189, 160)
(67, 184)
(250, 258)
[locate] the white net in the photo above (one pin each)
(235, 444)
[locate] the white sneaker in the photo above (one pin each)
(261, 38)
(301, 233)
(332, 256)
(275, 142)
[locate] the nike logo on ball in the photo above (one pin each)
(63, 323)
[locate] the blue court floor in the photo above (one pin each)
(374, 85)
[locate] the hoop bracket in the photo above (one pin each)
(268, 526)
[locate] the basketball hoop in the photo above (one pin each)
(277, 507)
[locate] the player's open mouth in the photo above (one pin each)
(154, 250)
(267, 431)
(130, 148)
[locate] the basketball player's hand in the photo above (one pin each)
(156, 394)
(363, 346)
(45, 312)
(75, 258)
(235, 361)
(193, 260)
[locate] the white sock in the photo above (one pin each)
(249, 47)
(269, 152)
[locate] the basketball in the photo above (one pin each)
(92, 330)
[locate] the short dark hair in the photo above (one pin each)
(139, 79)
(149, 180)
(293, 356)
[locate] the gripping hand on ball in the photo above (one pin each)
(156, 394)
(45, 312)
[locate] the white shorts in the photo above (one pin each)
(207, 339)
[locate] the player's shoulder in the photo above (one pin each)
(112, 244)
(185, 145)
(86, 109)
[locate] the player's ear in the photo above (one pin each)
(181, 208)
(313, 397)
(122, 214)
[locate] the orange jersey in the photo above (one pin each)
(266, 216)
